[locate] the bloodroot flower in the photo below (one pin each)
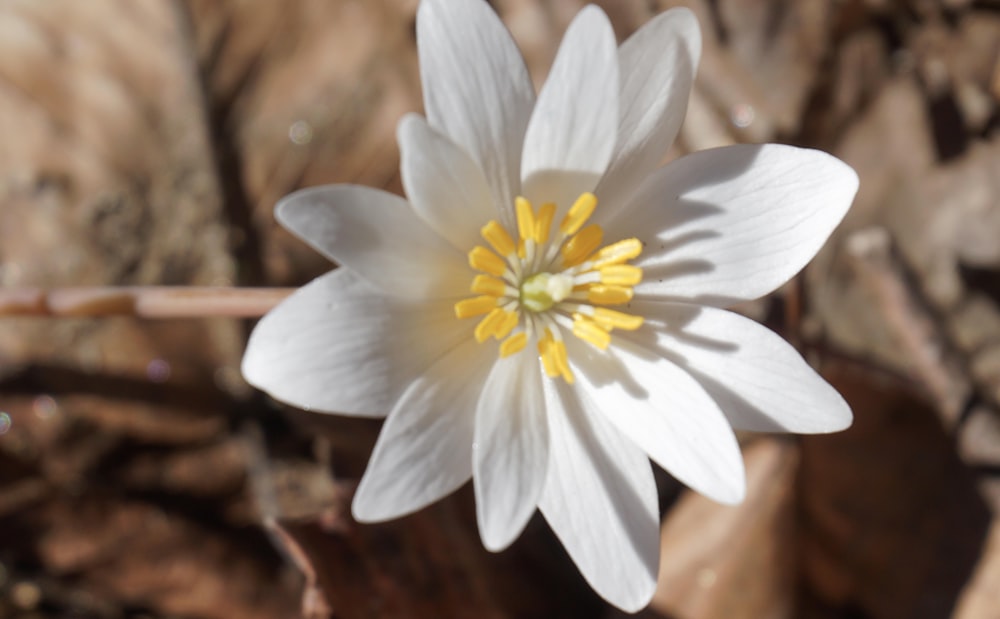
(543, 314)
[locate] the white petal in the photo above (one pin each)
(445, 187)
(758, 379)
(664, 411)
(600, 499)
(338, 345)
(424, 451)
(574, 124)
(477, 90)
(657, 66)
(377, 235)
(512, 449)
(734, 223)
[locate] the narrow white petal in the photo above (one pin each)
(377, 235)
(734, 223)
(600, 500)
(424, 451)
(511, 449)
(666, 412)
(574, 123)
(445, 187)
(657, 66)
(338, 345)
(477, 90)
(758, 379)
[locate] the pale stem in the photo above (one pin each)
(141, 301)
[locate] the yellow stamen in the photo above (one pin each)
(513, 344)
(543, 224)
(609, 295)
(484, 260)
(545, 352)
(617, 253)
(488, 326)
(510, 320)
(525, 218)
(561, 360)
(476, 306)
(484, 284)
(621, 275)
(611, 319)
(578, 214)
(498, 238)
(581, 245)
(590, 332)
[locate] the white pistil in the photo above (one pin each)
(577, 308)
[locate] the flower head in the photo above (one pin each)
(543, 314)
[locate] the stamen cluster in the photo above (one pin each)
(528, 289)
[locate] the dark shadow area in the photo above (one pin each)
(891, 508)
(56, 379)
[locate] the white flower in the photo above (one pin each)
(588, 362)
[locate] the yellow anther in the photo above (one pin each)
(549, 363)
(581, 245)
(621, 275)
(510, 320)
(590, 332)
(617, 253)
(609, 295)
(578, 214)
(525, 218)
(611, 319)
(543, 224)
(498, 238)
(484, 260)
(513, 344)
(484, 284)
(488, 326)
(561, 360)
(476, 306)
(545, 353)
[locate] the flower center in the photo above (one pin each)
(543, 290)
(549, 281)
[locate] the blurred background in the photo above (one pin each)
(140, 477)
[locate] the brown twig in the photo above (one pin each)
(140, 301)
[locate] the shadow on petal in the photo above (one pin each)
(602, 367)
(670, 327)
(667, 270)
(614, 483)
(561, 187)
(727, 399)
(730, 401)
(680, 316)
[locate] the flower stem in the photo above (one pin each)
(141, 301)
